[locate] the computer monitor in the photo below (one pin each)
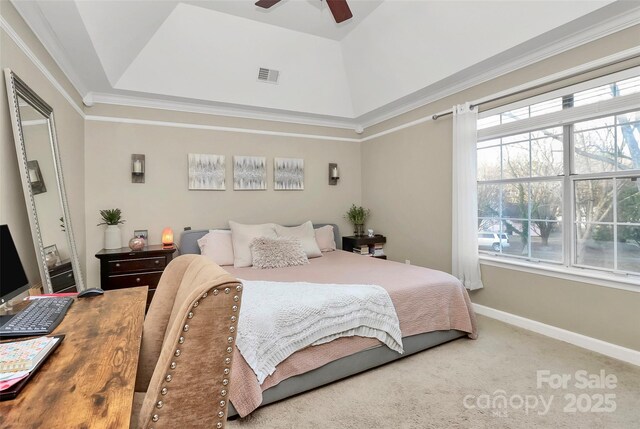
(13, 279)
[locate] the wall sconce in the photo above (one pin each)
(137, 168)
(167, 237)
(334, 174)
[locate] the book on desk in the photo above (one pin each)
(19, 361)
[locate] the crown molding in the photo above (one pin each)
(471, 76)
(211, 108)
(6, 27)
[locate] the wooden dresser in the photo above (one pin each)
(124, 268)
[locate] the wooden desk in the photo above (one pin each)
(88, 382)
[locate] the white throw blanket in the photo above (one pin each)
(277, 319)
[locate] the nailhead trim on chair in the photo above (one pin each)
(227, 360)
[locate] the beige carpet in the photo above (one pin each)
(427, 390)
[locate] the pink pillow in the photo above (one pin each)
(217, 246)
(325, 238)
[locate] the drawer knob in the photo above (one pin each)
(138, 280)
(69, 275)
(117, 265)
(157, 262)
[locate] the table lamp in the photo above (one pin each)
(167, 237)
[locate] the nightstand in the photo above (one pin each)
(62, 280)
(352, 242)
(124, 268)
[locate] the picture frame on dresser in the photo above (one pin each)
(124, 268)
(141, 233)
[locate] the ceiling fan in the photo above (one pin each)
(339, 8)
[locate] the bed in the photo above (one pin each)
(432, 306)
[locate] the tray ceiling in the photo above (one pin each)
(208, 53)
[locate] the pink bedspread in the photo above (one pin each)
(426, 300)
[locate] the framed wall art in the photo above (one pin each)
(288, 174)
(207, 172)
(249, 173)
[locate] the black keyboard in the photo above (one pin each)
(39, 318)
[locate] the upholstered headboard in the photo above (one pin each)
(189, 239)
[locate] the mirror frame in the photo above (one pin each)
(17, 88)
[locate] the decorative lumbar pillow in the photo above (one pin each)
(241, 236)
(217, 246)
(325, 238)
(277, 252)
(305, 234)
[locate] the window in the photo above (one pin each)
(559, 177)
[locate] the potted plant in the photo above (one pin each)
(357, 216)
(112, 236)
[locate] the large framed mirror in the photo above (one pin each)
(34, 133)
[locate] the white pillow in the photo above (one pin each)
(217, 246)
(325, 238)
(305, 234)
(242, 235)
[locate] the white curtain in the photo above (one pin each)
(465, 264)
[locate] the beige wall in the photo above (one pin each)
(411, 205)
(70, 130)
(164, 199)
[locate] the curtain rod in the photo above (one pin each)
(480, 102)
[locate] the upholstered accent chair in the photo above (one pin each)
(184, 371)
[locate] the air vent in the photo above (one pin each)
(268, 75)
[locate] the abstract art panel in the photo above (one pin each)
(207, 172)
(249, 173)
(288, 174)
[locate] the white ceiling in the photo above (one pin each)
(207, 53)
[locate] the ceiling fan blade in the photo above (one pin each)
(266, 4)
(340, 10)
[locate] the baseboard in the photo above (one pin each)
(608, 349)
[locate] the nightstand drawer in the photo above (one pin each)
(132, 280)
(62, 281)
(142, 264)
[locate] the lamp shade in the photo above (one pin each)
(167, 237)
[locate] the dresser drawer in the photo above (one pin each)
(132, 280)
(141, 264)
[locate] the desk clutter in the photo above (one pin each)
(21, 359)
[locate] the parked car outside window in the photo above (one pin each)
(493, 240)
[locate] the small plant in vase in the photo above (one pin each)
(357, 215)
(112, 236)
